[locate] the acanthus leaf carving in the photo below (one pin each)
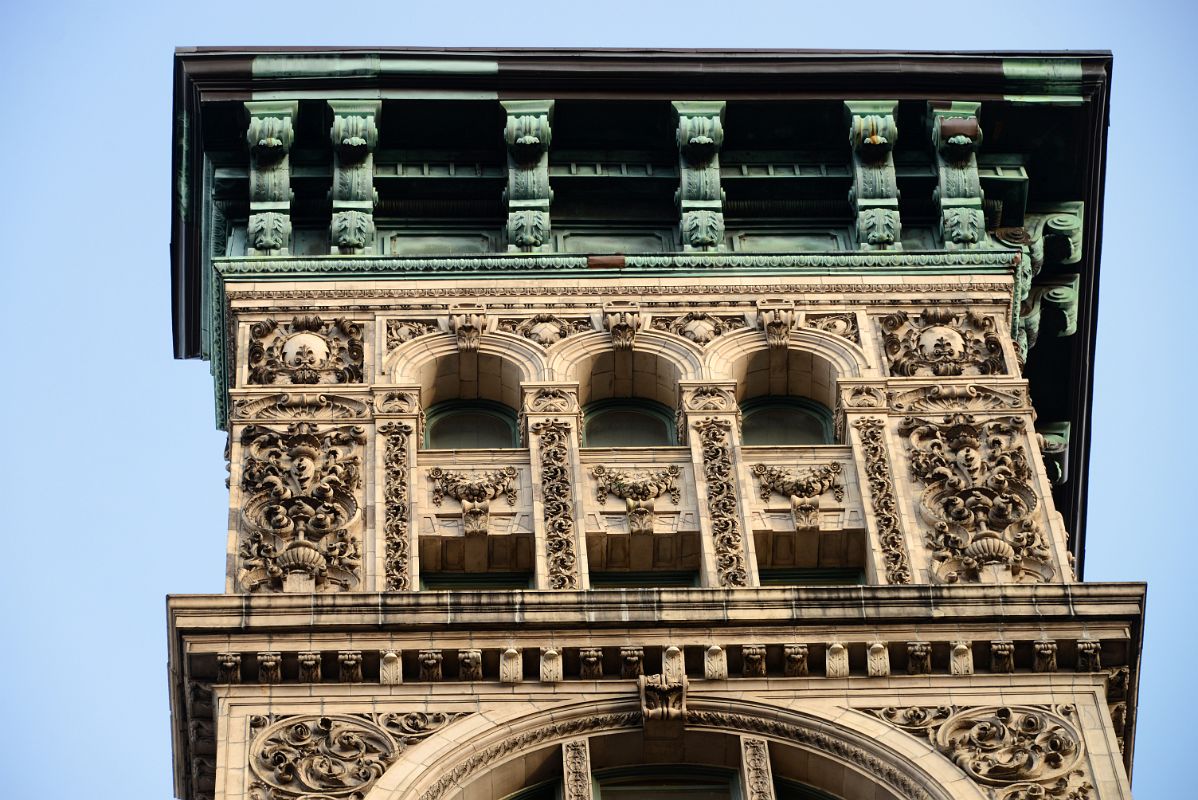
(882, 499)
(638, 490)
(622, 320)
(803, 489)
(288, 406)
(722, 504)
(396, 548)
(663, 704)
(301, 503)
(309, 350)
(942, 342)
(545, 329)
(776, 322)
(553, 447)
(400, 331)
(979, 496)
(699, 326)
(475, 492)
(843, 325)
(467, 323)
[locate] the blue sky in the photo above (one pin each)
(116, 470)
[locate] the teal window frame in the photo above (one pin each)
(650, 408)
(817, 411)
(448, 408)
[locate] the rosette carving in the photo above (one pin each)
(942, 342)
(979, 496)
(553, 447)
(722, 503)
(638, 490)
(300, 488)
(475, 493)
(306, 351)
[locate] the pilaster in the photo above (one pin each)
(400, 424)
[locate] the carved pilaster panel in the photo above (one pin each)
(723, 507)
(576, 770)
(354, 134)
(756, 775)
(300, 508)
(700, 198)
(956, 136)
(874, 194)
(891, 539)
(270, 135)
(553, 442)
(527, 134)
(397, 546)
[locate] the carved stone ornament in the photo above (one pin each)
(396, 402)
(622, 322)
(1020, 752)
(638, 490)
(300, 489)
(576, 770)
(553, 448)
(794, 661)
(475, 493)
(1002, 656)
(663, 702)
(468, 324)
(270, 667)
(335, 757)
(919, 658)
(545, 329)
(722, 504)
(306, 351)
(755, 761)
(632, 662)
(709, 398)
(527, 134)
(864, 397)
(882, 500)
(396, 548)
(874, 194)
(803, 489)
(776, 323)
(288, 406)
(551, 400)
(752, 658)
(699, 197)
(390, 667)
(842, 325)
(945, 398)
(400, 331)
(349, 664)
(699, 326)
(430, 665)
(590, 663)
(309, 666)
(470, 665)
(942, 342)
(353, 134)
(979, 497)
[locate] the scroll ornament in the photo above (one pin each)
(558, 494)
(300, 488)
(714, 433)
(942, 342)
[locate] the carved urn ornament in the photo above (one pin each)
(979, 498)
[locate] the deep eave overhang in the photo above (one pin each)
(237, 73)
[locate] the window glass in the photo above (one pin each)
(785, 421)
(469, 428)
(638, 424)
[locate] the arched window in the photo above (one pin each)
(469, 425)
(785, 420)
(628, 423)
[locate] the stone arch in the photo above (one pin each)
(652, 369)
(810, 366)
(842, 753)
(444, 372)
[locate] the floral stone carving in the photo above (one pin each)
(300, 488)
(475, 493)
(803, 489)
(307, 351)
(979, 496)
(638, 490)
(721, 500)
(881, 493)
(400, 331)
(553, 447)
(700, 327)
(843, 325)
(545, 329)
(397, 551)
(942, 342)
(332, 757)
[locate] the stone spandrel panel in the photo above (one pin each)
(301, 349)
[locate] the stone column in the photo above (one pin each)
(269, 136)
(400, 424)
(700, 198)
(550, 423)
(354, 134)
(956, 136)
(709, 418)
(527, 135)
(874, 196)
(756, 776)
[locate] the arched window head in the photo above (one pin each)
(784, 420)
(628, 423)
(469, 425)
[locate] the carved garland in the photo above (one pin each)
(803, 489)
(881, 493)
(1021, 752)
(396, 556)
(558, 494)
(475, 493)
(638, 490)
(721, 500)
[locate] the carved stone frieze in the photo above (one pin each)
(545, 329)
(475, 492)
(300, 488)
(979, 496)
(289, 406)
(334, 757)
(803, 489)
(946, 398)
(942, 342)
(722, 504)
(638, 490)
(699, 326)
(557, 492)
(396, 547)
(843, 325)
(400, 331)
(882, 499)
(308, 350)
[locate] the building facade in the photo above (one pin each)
(647, 424)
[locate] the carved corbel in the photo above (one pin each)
(390, 667)
(270, 667)
(1054, 447)
(270, 135)
(527, 135)
(1051, 307)
(1089, 655)
(622, 320)
(470, 665)
(551, 665)
(309, 666)
(874, 195)
(803, 489)
(467, 323)
(590, 663)
(350, 665)
(752, 658)
(776, 318)
(877, 659)
(475, 492)
(960, 658)
(673, 664)
(1002, 656)
(354, 134)
(715, 663)
(430, 665)
(1045, 651)
(956, 135)
(663, 704)
(511, 666)
(836, 664)
(700, 198)
(794, 660)
(638, 490)
(632, 662)
(228, 667)
(919, 658)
